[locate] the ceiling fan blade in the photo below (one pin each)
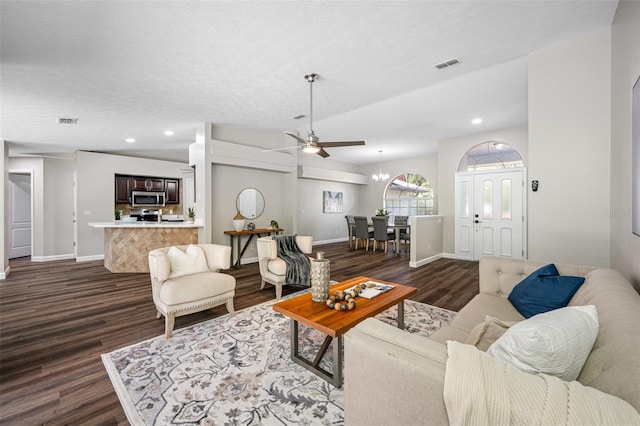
(280, 149)
(322, 153)
(296, 137)
(339, 144)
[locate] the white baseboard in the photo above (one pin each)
(337, 240)
(5, 274)
(90, 258)
(454, 257)
(52, 258)
(423, 262)
(247, 260)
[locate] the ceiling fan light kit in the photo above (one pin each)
(311, 144)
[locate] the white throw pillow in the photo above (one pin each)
(191, 261)
(557, 342)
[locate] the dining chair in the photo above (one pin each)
(362, 232)
(405, 235)
(351, 224)
(381, 233)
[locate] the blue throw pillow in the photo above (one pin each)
(544, 290)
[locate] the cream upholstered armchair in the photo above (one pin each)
(272, 268)
(186, 279)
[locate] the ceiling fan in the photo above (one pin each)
(311, 144)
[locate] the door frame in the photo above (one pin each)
(29, 172)
(525, 219)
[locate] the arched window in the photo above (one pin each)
(490, 155)
(408, 194)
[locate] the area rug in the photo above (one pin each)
(238, 371)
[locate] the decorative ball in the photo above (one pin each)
(343, 306)
(339, 294)
(338, 306)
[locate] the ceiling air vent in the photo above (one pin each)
(446, 64)
(66, 120)
(298, 117)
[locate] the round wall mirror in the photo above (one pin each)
(250, 203)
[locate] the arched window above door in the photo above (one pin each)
(490, 155)
(408, 194)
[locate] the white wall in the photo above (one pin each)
(625, 69)
(58, 212)
(95, 192)
(4, 251)
(569, 151)
(450, 151)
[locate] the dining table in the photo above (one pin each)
(397, 229)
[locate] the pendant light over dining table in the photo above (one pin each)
(380, 177)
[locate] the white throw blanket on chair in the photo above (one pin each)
(480, 390)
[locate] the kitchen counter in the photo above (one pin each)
(127, 245)
(120, 224)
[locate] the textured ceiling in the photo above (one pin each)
(138, 68)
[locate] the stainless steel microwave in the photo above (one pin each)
(150, 199)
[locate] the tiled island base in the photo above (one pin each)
(126, 248)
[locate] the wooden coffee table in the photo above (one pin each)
(334, 324)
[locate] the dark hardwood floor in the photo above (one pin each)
(56, 318)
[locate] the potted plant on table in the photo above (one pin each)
(274, 224)
(191, 214)
(117, 213)
(382, 212)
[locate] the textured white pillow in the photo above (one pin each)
(191, 261)
(557, 342)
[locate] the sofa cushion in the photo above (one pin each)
(482, 305)
(190, 261)
(484, 334)
(544, 290)
(189, 288)
(555, 343)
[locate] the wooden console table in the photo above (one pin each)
(237, 236)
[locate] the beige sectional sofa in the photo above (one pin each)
(394, 377)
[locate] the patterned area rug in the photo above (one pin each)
(238, 370)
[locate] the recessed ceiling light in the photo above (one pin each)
(168, 132)
(129, 140)
(476, 121)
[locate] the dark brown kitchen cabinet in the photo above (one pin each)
(172, 191)
(147, 184)
(123, 189)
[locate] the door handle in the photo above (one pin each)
(477, 221)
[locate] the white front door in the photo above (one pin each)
(19, 215)
(490, 214)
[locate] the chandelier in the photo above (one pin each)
(380, 177)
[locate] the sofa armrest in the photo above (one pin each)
(218, 256)
(159, 266)
(399, 374)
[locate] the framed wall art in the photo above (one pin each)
(331, 202)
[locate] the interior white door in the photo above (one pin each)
(463, 216)
(19, 215)
(490, 214)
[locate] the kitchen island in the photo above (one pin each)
(126, 245)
